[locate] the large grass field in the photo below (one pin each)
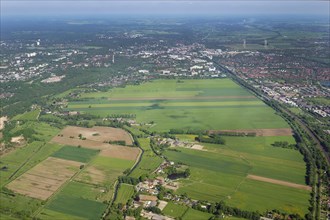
(149, 161)
(222, 170)
(28, 116)
(76, 206)
(75, 153)
(107, 168)
(193, 104)
(193, 214)
(175, 210)
(124, 193)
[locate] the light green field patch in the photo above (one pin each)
(149, 162)
(48, 214)
(222, 170)
(124, 193)
(193, 214)
(194, 104)
(174, 210)
(27, 116)
(75, 153)
(82, 190)
(80, 207)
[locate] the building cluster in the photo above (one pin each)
(286, 79)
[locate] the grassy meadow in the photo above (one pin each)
(191, 104)
(149, 162)
(124, 193)
(222, 169)
(75, 153)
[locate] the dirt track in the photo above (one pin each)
(180, 98)
(259, 132)
(279, 182)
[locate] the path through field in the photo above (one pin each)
(279, 182)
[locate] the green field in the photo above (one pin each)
(193, 214)
(17, 206)
(82, 190)
(48, 214)
(149, 161)
(75, 206)
(23, 159)
(111, 167)
(222, 169)
(28, 116)
(194, 104)
(75, 153)
(175, 210)
(124, 193)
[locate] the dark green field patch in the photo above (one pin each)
(78, 207)
(75, 153)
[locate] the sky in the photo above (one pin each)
(182, 7)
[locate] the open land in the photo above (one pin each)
(124, 193)
(215, 104)
(96, 134)
(149, 161)
(45, 178)
(224, 170)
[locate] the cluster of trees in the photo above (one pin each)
(122, 116)
(6, 134)
(154, 209)
(284, 144)
(173, 173)
(237, 134)
(189, 131)
(27, 133)
(123, 143)
(220, 208)
(212, 139)
(128, 180)
(117, 212)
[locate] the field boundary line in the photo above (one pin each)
(278, 182)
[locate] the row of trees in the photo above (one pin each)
(212, 139)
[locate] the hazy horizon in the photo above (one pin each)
(182, 8)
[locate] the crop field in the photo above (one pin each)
(83, 190)
(44, 179)
(224, 170)
(121, 152)
(149, 162)
(95, 134)
(75, 206)
(125, 192)
(193, 104)
(75, 153)
(174, 210)
(48, 214)
(193, 214)
(104, 170)
(28, 116)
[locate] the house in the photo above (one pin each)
(145, 198)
